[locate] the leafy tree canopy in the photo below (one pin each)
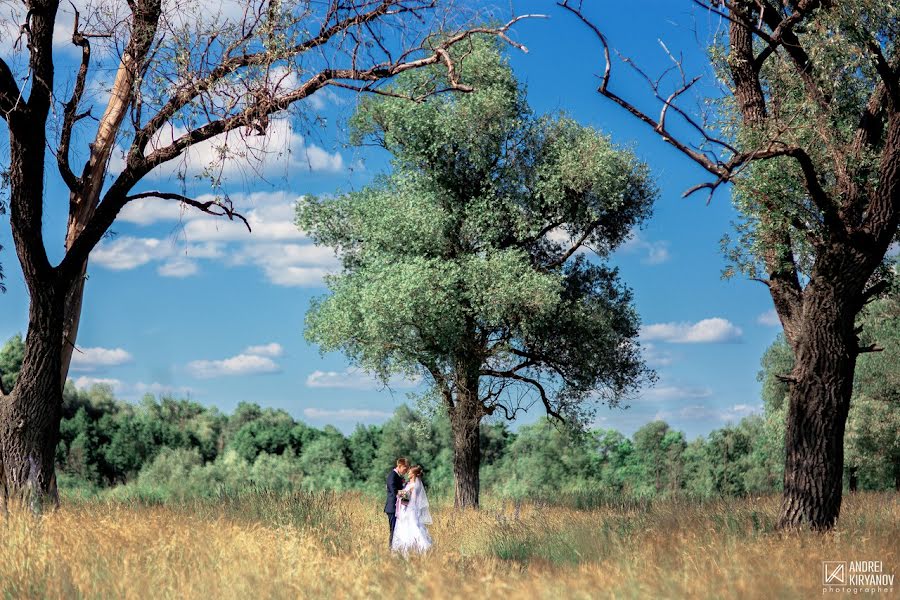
(468, 261)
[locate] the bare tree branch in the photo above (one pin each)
(38, 29)
(145, 21)
(869, 348)
(783, 35)
(10, 96)
(443, 385)
(138, 164)
(216, 208)
(783, 282)
(69, 114)
(876, 290)
(538, 358)
(561, 260)
(724, 170)
(604, 82)
(817, 193)
(545, 399)
(193, 89)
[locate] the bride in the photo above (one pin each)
(410, 534)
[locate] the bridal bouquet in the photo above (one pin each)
(404, 496)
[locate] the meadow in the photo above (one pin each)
(302, 545)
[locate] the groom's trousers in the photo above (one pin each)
(392, 520)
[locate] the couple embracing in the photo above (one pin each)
(407, 509)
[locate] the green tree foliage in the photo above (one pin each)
(465, 262)
(661, 450)
(727, 451)
(873, 442)
(324, 463)
(542, 461)
(362, 449)
(11, 360)
(269, 431)
(451, 252)
(167, 447)
(423, 441)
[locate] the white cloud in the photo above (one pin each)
(770, 318)
(269, 222)
(701, 412)
(319, 100)
(158, 389)
(127, 253)
(99, 89)
(253, 360)
(242, 364)
(290, 264)
(354, 379)
(344, 414)
(85, 383)
(269, 214)
(664, 393)
(702, 332)
(739, 411)
(275, 245)
(236, 154)
(146, 211)
(91, 359)
(273, 350)
(178, 267)
(297, 276)
(560, 236)
(655, 252)
(283, 264)
(656, 357)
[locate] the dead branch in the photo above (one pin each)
(215, 207)
(70, 116)
(139, 162)
(10, 96)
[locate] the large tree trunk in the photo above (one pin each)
(465, 421)
(71, 321)
(30, 414)
(820, 391)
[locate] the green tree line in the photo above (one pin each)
(164, 447)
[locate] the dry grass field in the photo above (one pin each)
(301, 546)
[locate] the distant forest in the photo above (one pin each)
(160, 448)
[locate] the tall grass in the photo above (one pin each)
(274, 545)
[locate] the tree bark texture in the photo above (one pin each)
(465, 421)
(31, 413)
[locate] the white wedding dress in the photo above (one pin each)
(410, 534)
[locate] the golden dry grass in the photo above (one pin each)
(281, 547)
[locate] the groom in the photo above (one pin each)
(395, 483)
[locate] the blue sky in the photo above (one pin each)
(187, 304)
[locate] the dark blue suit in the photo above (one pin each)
(395, 483)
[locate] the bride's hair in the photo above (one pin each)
(416, 472)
